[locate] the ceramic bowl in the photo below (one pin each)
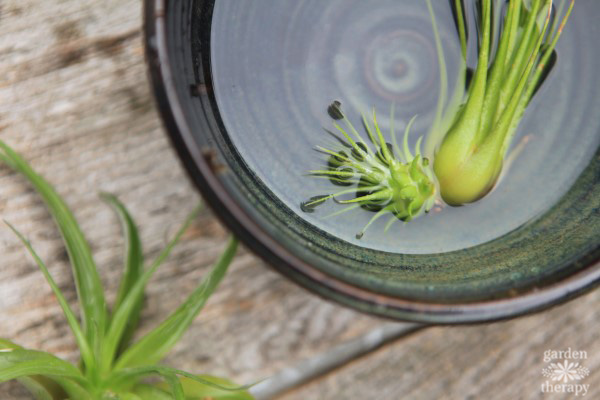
(551, 258)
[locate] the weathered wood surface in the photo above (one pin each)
(497, 361)
(75, 101)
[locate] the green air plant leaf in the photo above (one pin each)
(105, 372)
(122, 315)
(74, 390)
(190, 383)
(472, 142)
(36, 388)
(89, 287)
(17, 363)
(84, 347)
(150, 392)
(197, 390)
(134, 267)
(41, 387)
(176, 387)
(472, 129)
(155, 345)
(385, 178)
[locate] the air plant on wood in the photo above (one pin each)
(470, 137)
(112, 366)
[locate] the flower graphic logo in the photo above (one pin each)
(565, 372)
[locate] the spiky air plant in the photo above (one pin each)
(384, 178)
(472, 132)
(112, 366)
(472, 128)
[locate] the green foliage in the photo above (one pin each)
(477, 130)
(211, 388)
(111, 368)
(133, 269)
(472, 128)
(87, 281)
(386, 178)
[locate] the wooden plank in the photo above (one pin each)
(327, 361)
(76, 104)
(498, 361)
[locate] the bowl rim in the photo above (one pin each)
(204, 177)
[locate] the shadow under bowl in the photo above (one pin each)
(548, 260)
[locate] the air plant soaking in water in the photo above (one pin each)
(111, 366)
(467, 145)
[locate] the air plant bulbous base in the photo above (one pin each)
(472, 129)
(480, 125)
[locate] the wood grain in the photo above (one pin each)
(76, 104)
(496, 362)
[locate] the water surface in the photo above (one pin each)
(278, 64)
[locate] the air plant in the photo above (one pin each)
(472, 129)
(111, 366)
(386, 178)
(476, 128)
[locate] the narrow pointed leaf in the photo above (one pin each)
(149, 392)
(129, 374)
(6, 344)
(443, 90)
(197, 390)
(73, 389)
(41, 387)
(37, 389)
(17, 363)
(89, 287)
(152, 347)
(86, 352)
(121, 316)
(176, 388)
(133, 269)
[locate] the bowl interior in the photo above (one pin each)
(253, 81)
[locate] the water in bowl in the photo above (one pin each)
(277, 65)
